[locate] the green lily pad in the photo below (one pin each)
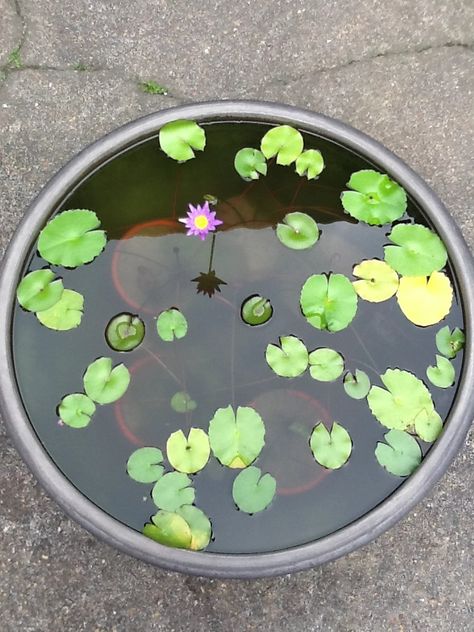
(325, 365)
(418, 250)
(236, 439)
(256, 310)
(72, 238)
(170, 529)
(144, 465)
(328, 302)
(65, 314)
(310, 163)
(428, 425)
(181, 402)
(401, 455)
(298, 231)
(378, 282)
(171, 324)
(76, 410)
(125, 332)
(443, 374)
(375, 199)
(188, 455)
(252, 491)
(105, 384)
(250, 163)
(172, 491)
(284, 142)
(178, 139)
(290, 359)
(39, 291)
(331, 449)
(449, 343)
(357, 386)
(199, 524)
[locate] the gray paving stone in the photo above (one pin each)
(10, 30)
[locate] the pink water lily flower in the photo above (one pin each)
(200, 220)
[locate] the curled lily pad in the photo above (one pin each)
(378, 282)
(178, 139)
(236, 438)
(443, 374)
(125, 332)
(325, 365)
(428, 425)
(448, 342)
(298, 231)
(256, 310)
(72, 238)
(328, 302)
(284, 142)
(252, 491)
(376, 199)
(171, 324)
(418, 250)
(181, 402)
(199, 524)
(188, 455)
(331, 449)
(170, 529)
(400, 455)
(39, 290)
(425, 300)
(65, 314)
(357, 386)
(172, 491)
(76, 410)
(310, 163)
(144, 465)
(105, 384)
(290, 359)
(250, 163)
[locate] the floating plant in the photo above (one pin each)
(252, 491)
(400, 455)
(332, 448)
(181, 402)
(171, 324)
(65, 314)
(418, 251)
(328, 302)
(298, 231)
(378, 281)
(144, 465)
(448, 342)
(290, 359)
(178, 139)
(236, 438)
(173, 490)
(76, 410)
(39, 290)
(443, 374)
(425, 300)
(357, 385)
(256, 310)
(325, 365)
(187, 528)
(188, 454)
(284, 142)
(250, 163)
(125, 332)
(104, 384)
(310, 163)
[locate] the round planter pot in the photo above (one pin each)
(101, 524)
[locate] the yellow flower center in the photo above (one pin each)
(201, 222)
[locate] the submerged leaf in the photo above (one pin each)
(171, 324)
(256, 310)
(172, 491)
(376, 199)
(144, 465)
(250, 163)
(179, 138)
(105, 384)
(443, 374)
(357, 386)
(170, 529)
(449, 343)
(311, 163)
(65, 314)
(298, 231)
(236, 438)
(125, 332)
(401, 455)
(331, 449)
(326, 365)
(71, 238)
(199, 524)
(418, 250)
(284, 142)
(328, 302)
(428, 425)
(188, 455)
(290, 359)
(252, 491)
(181, 402)
(76, 410)
(39, 291)
(425, 301)
(378, 281)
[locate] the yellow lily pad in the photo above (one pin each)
(425, 300)
(378, 281)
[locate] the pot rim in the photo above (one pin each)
(298, 558)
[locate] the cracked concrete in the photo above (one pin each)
(401, 71)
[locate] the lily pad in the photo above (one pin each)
(199, 524)
(188, 455)
(181, 402)
(284, 142)
(72, 238)
(448, 342)
(290, 359)
(418, 250)
(376, 199)
(172, 491)
(425, 300)
(236, 438)
(256, 310)
(331, 449)
(250, 163)
(328, 302)
(39, 291)
(378, 281)
(252, 491)
(170, 529)
(144, 465)
(326, 365)
(65, 314)
(401, 455)
(310, 163)
(171, 324)
(178, 139)
(443, 374)
(76, 410)
(105, 384)
(428, 425)
(357, 386)
(125, 332)
(298, 231)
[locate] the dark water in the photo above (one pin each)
(147, 269)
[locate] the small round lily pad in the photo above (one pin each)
(76, 410)
(290, 359)
(189, 454)
(325, 365)
(357, 386)
(400, 455)
(39, 290)
(284, 142)
(298, 231)
(333, 448)
(65, 314)
(443, 374)
(423, 300)
(310, 163)
(144, 465)
(125, 332)
(171, 324)
(170, 529)
(448, 342)
(250, 163)
(199, 524)
(418, 251)
(375, 198)
(256, 310)
(252, 491)
(328, 302)
(179, 139)
(181, 402)
(378, 282)
(105, 384)
(172, 491)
